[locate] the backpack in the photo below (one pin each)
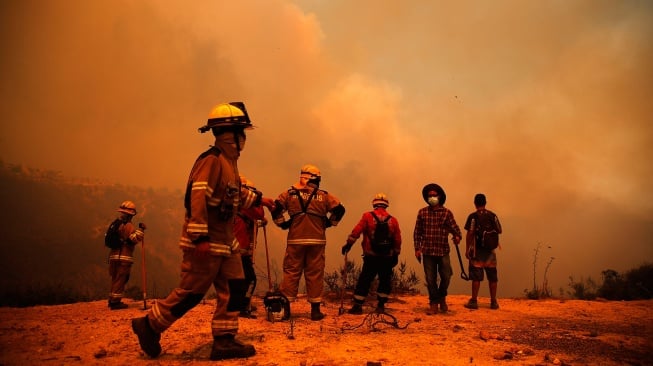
(487, 236)
(112, 239)
(382, 242)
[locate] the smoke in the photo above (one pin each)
(541, 106)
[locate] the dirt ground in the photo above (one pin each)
(522, 332)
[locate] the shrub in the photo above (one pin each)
(584, 289)
(402, 282)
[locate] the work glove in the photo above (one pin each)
(285, 225)
(395, 260)
(418, 255)
(346, 248)
(137, 236)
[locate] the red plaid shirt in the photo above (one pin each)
(432, 229)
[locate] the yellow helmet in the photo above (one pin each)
(127, 207)
(227, 114)
(380, 199)
(310, 171)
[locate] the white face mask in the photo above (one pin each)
(433, 201)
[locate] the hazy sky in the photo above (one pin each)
(543, 106)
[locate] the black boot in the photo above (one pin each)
(147, 337)
(380, 307)
(443, 305)
(356, 309)
(117, 305)
(226, 346)
(246, 314)
(315, 311)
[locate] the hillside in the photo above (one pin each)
(52, 236)
(522, 332)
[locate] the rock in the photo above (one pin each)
(101, 353)
(484, 335)
(503, 356)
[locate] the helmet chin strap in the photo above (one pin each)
(237, 141)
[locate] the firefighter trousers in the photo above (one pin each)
(198, 273)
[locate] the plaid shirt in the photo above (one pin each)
(432, 229)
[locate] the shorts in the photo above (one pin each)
(476, 273)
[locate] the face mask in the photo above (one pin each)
(241, 142)
(433, 201)
(314, 182)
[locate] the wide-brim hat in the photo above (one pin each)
(434, 187)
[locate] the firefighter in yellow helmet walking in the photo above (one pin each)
(214, 194)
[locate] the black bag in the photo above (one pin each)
(487, 235)
(381, 240)
(112, 239)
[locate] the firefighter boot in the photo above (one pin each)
(315, 311)
(147, 337)
(356, 309)
(226, 346)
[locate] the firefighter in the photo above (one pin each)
(310, 212)
(246, 224)
(210, 252)
(381, 249)
(121, 257)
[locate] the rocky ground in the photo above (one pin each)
(522, 332)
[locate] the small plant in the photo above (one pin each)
(544, 291)
(403, 283)
(350, 273)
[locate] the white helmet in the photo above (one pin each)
(380, 199)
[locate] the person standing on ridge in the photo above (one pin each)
(311, 211)
(433, 226)
(210, 252)
(380, 254)
(480, 257)
(121, 255)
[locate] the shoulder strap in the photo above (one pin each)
(376, 218)
(305, 207)
(387, 218)
(302, 204)
(189, 185)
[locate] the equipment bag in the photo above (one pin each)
(112, 239)
(381, 240)
(487, 236)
